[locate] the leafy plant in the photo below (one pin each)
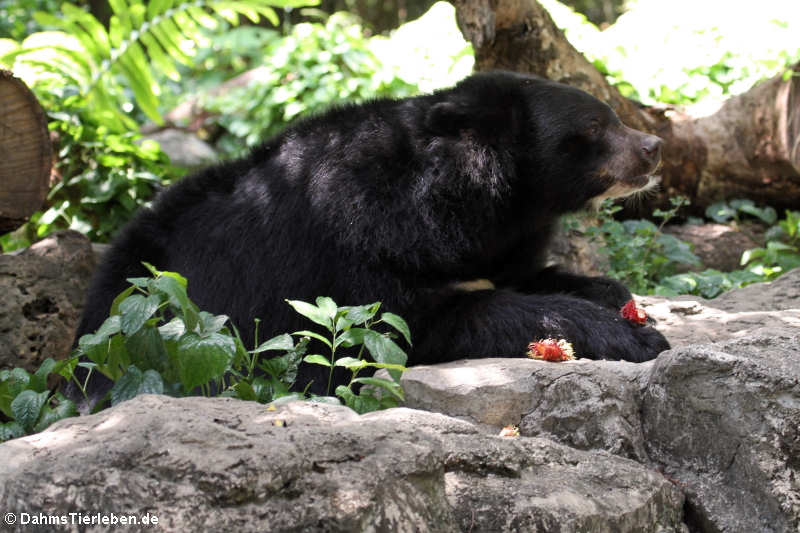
(773, 260)
(780, 254)
(27, 404)
(341, 322)
(709, 283)
(141, 350)
(725, 211)
(140, 37)
(15, 16)
(96, 84)
(639, 253)
(156, 340)
(312, 67)
(104, 176)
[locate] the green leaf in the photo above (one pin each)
(361, 313)
(766, 214)
(202, 359)
(327, 306)
(317, 360)
(399, 324)
(313, 335)
(351, 363)
(244, 391)
(174, 287)
(390, 386)
(118, 358)
(94, 38)
(134, 382)
(110, 327)
(281, 342)
(38, 380)
(157, 7)
(11, 430)
(267, 390)
(66, 367)
(284, 368)
(146, 349)
(720, 212)
(172, 330)
(27, 407)
(291, 397)
(121, 298)
(13, 383)
(358, 403)
(313, 313)
(135, 310)
(384, 350)
(64, 409)
(351, 337)
(209, 323)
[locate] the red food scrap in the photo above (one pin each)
(635, 314)
(551, 350)
(509, 431)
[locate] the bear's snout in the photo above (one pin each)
(651, 148)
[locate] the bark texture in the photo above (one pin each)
(25, 153)
(749, 147)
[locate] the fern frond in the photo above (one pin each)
(140, 39)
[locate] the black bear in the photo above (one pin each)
(405, 202)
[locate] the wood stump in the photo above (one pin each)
(26, 153)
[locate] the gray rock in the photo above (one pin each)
(42, 290)
(219, 464)
(573, 250)
(184, 148)
(724, 420)
(686, 320)
(588, 405)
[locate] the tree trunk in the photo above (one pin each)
(25, 153)
(749, 148)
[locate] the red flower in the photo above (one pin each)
(551, 350)
(635, 314)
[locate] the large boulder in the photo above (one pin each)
(735, 314)
(721, 419)
(220, 464)
(42, 290)
(724, 421)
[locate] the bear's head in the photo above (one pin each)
(569, 148)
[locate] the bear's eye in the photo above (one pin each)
(593, 130)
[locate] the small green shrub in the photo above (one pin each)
(639, 254)
(309, 69)
(340, 322)
(645, 259)
(97, 84)
(157, 341)
(723, 212)
(27, 404)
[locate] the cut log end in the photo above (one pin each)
(25, 153)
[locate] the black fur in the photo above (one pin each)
(399, 201)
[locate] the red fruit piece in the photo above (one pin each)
(635, 314)
(510, 431)
(551, 350)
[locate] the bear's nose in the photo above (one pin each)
(651, 147)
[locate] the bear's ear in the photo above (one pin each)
(484, 121)
(447, 118)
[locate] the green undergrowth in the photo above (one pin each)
(649, 261)
(157, 341)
